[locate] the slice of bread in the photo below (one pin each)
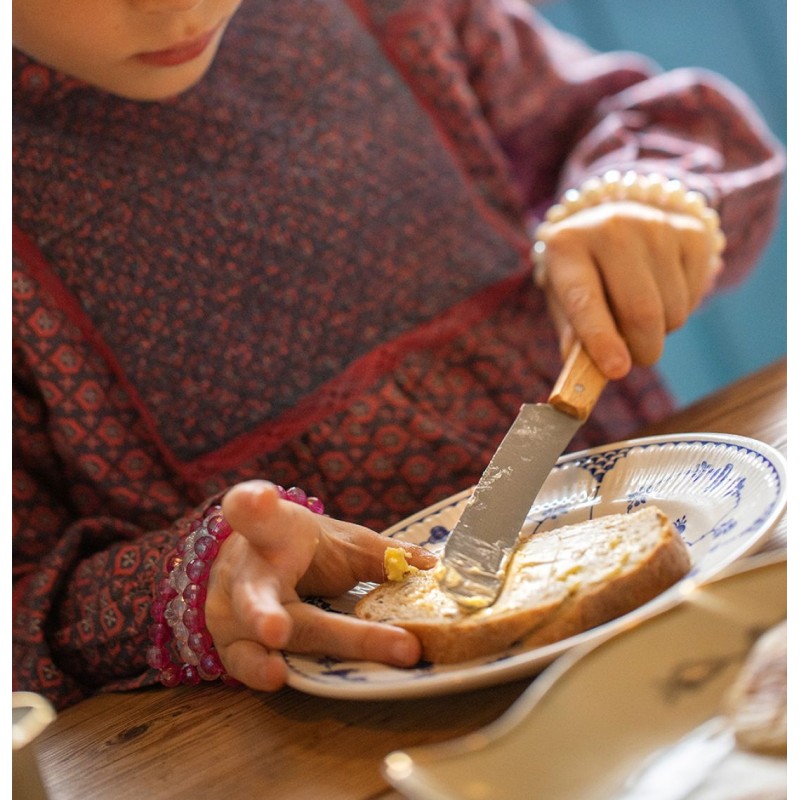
(559, 582)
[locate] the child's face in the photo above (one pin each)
(140, 49)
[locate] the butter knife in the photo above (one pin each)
(475, 554)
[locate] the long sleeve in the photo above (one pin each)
(560, 112)
(87, 550)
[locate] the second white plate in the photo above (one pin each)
(593, 721)
(723, 493)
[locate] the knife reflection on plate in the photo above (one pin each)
(678, 770)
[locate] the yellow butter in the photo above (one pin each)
(395, 564)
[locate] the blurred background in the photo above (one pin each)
(744, 40)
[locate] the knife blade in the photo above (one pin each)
(476, 552)
(677, 771)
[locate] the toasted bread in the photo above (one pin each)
(559, 583)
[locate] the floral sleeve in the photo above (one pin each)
(561, 112)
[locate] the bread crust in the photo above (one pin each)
(560, 582)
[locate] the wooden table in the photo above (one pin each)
(217, 742)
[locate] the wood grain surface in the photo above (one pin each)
(217, 742)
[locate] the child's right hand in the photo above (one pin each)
(621, 275)
(278, 552)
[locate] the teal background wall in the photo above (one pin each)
(744, 40)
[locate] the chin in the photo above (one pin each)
(136, 81)
(159, 87)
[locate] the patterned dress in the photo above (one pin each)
(310, 267)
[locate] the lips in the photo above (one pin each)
(180, 54)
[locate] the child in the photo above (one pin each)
(291, 241)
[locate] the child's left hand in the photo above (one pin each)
(280, 551)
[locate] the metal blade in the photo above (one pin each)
(674, 773)
(485, 535)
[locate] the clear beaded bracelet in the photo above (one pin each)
(668, 194)
(181, 647)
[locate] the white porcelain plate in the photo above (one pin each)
(723, 493)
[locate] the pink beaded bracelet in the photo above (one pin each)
(178, 615)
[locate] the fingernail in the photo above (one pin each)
(616, 365)
(421, 554)
(406, 650)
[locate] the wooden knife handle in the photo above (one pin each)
(579, 385)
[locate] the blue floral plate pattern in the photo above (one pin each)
(723, 493)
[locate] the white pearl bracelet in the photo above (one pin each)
(654, 190)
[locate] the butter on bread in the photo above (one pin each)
(559, 583)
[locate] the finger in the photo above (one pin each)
(640, 314)
(254, 665)
(577, 290)
(349, 553)
(416, 555)
(665, 258)
(630, 275)
(245, 595)
(700, 264)
(365, 549)
(259, 613)
(682, 264)
(675, 303)
(564, 331)
(342, 636)
(255, 510)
